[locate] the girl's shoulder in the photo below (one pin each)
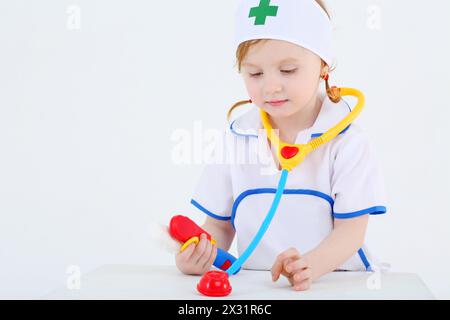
(353, 143)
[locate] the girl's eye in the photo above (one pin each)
(289, 71)
(283, 71)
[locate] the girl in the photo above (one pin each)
(283, 54)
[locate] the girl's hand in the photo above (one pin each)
(294, 267)
(197, 259)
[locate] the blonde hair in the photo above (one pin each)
(244, 47)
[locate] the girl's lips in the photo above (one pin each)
(277, 103)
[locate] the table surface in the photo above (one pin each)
(167, 283)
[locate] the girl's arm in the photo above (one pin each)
(221, 231)
(344, 241)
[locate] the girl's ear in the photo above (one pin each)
(325, 69)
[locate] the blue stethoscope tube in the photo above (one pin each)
(264, 226)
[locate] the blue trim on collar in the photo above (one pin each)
(271, 190)
(209, 213)
(241, 134)
(316, 135)
(372, 211)
(349, 109)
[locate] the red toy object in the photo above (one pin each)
(289, 152)
(182, 229)
(214, 284)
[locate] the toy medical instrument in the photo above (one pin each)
(187, 231)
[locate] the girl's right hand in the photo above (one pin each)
(197, 259)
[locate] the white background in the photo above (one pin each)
(87, 115)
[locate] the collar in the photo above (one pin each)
(249, 124)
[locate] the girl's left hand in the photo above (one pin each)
(294, 267)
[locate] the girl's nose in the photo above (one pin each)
(272, 85)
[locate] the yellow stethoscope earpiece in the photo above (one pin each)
(290, 155)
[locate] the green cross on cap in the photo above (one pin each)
(263, 11)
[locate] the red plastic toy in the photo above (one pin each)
(213, 283)
(182, 228)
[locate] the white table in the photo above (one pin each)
(167, 283)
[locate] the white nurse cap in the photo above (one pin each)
(302, 22)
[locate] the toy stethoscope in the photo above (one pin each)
(215, 283)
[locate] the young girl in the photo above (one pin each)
(283, 54)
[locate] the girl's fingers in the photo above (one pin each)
(199, 249)
(277, 269)
(289, 253)
(301, 276)
(284, 272)
(304, 285)
(296, 265)
(278, 266)
(187, 253)
(206, 253)
(212, 257)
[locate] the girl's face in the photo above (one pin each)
(275, 70)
